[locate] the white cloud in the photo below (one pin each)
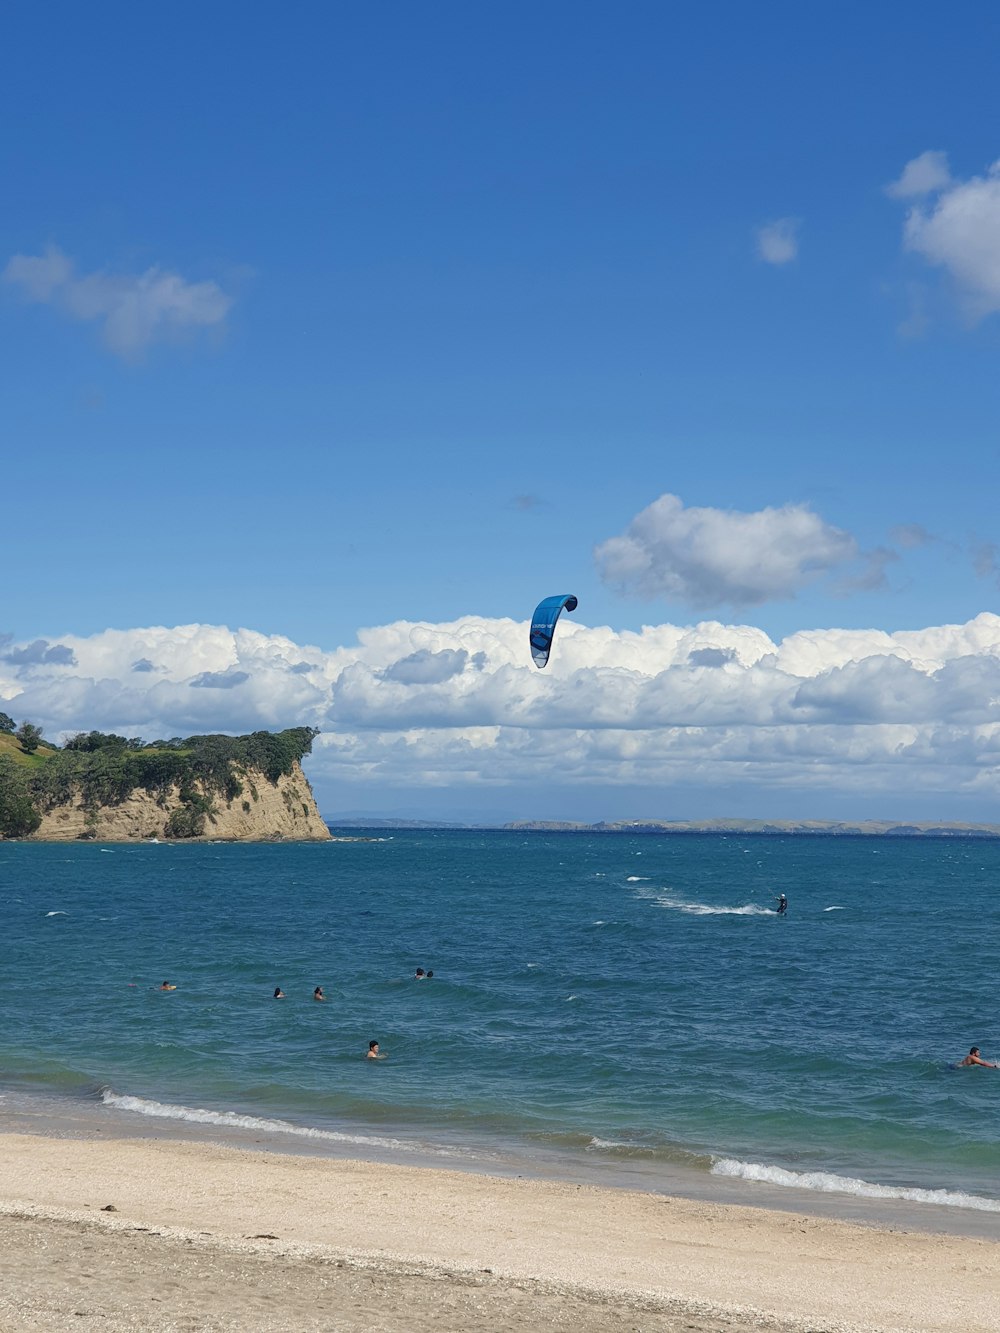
(134, 310)
(922, 175)
(778, 241)
(958, 230)
(714, 557)
(459, 706)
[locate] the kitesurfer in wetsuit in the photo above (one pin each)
(782, 904)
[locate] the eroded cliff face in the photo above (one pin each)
(265, 812)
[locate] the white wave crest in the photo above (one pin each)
(232, 1120)
(635, 879)
(828, 1183)
(56, 913)
(833, 909)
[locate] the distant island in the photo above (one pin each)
(103, 787)
(864, 828)
(825, 828)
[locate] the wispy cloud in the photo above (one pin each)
(707, 557)
(911, 535)
(872, 576)
(985, 559)
(922, 175)
(778, 241)
(527, 503)
(133, 310)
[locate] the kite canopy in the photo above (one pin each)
(543, 625)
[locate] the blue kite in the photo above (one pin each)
(543, 625)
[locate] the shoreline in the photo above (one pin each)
(78, 1120)
(437, 1236)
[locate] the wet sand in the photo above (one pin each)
(201, 1237)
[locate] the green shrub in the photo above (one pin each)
(18, 815)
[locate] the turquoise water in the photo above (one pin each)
(632, 1001)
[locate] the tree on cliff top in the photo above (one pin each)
(7, 723)
(30, 736)
(88, 741)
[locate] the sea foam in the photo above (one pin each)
(710, 909)
(827, 1183)
(233, 1120)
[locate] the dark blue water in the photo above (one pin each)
(633, 999)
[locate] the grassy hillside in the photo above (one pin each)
(11, 747)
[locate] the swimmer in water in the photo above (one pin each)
(373, 1052)
(279, 994)
(782, 904)
(419, 974)
(428, 975)
(318, 993)
(168, 986)
(974, 1058)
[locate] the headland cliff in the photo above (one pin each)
(201, 788)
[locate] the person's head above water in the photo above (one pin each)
(373, 1045)
(974, 1050)
(167, 985)
(279, 994)
(373, 1051)
(419, 972)
(429, 974)
(318, 993)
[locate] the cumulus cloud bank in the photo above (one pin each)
(778, 241)
(134, 311)
(716, 557)
(955, 226)
(459, 705)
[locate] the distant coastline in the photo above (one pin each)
(815, 828)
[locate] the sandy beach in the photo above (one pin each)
(164, 1235)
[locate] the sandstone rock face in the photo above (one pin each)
(265, 812)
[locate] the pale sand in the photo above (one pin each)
(358, 1245)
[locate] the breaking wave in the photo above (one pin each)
(233, 1120)
(825, 1182)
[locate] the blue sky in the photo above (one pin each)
(360, 315)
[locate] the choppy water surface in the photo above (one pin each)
(631, 1001)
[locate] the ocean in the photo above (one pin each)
(615, 1009)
